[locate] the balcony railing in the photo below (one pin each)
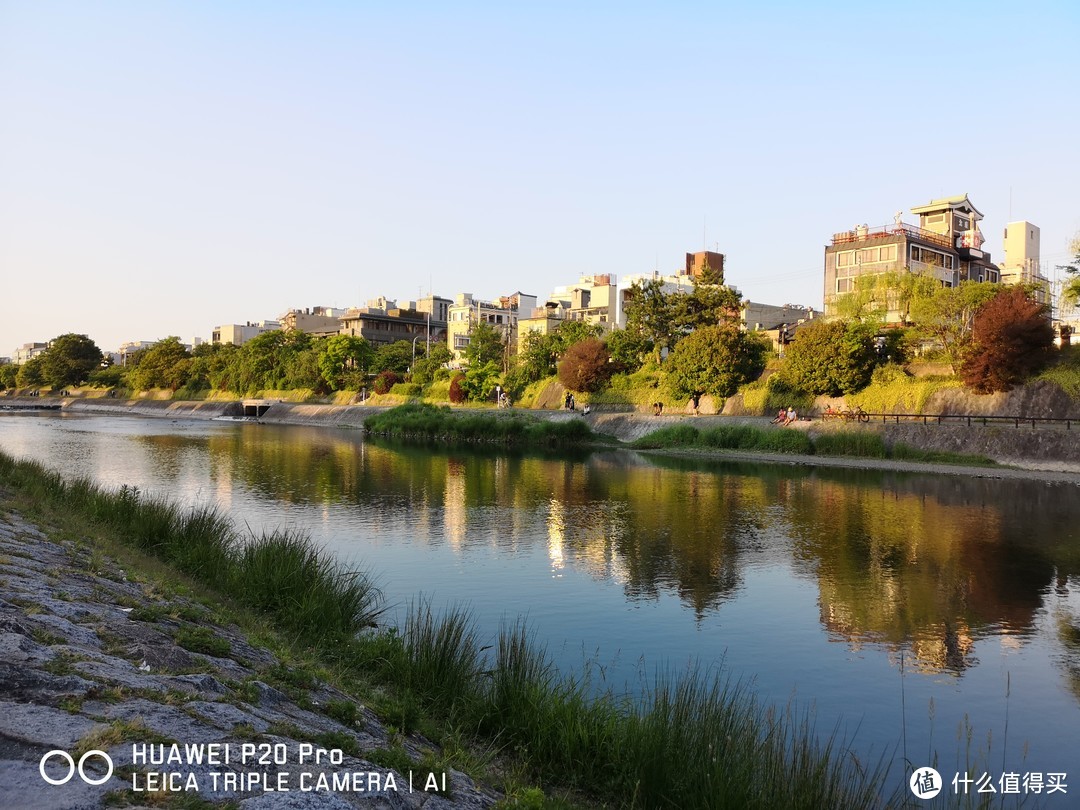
(862, 234)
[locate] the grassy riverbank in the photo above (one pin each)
(693, 740)
(432, 422)
(858, 444)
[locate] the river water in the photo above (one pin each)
(937, 615)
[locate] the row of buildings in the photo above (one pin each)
(596, 299)
(946, 244)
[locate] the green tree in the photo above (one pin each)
(485, 345)
(831, 357)
(708, 304)
(212, 366)
(396, 356)
(479, 381)
(715, 360)
(538, 358)
(165, 364)
(570, 332)
(30, 373)
(1011, 340)
(342, 354)
(69, 360)
(1070, 293)
(9, 373)
(652, 314)
(585, 366)
(946, 315)
(425, 368)
(628, 349)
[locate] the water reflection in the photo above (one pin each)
(926, 564)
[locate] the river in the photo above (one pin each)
(937, 616)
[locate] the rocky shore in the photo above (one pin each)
(96, 658)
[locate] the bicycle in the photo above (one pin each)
(856, 415)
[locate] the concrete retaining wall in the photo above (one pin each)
(149, 407)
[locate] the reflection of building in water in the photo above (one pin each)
(556, 526)
(455, 504)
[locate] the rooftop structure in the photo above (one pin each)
(946, 245)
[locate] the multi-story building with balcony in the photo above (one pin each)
(592, 299)
(382, 321)
(502, 314)
(946, 245)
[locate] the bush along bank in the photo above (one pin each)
(858, 444)
(693, 740)
(431, 422)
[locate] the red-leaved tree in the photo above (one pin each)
(1011, 340)
(584, 366)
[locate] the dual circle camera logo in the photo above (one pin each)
(81, 768)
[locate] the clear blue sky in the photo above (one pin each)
(166, 167)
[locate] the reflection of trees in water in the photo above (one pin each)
(1067, 622)
(930, 563)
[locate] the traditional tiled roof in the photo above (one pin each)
(960, 201)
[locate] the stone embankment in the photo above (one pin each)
(92, 659)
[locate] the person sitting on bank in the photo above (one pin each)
(781, 417)
(792, 416)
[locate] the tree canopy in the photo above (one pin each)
(342, 354)
(584, 366)
(715, 360)
(165, 364)
(830, 357)
(485, 345)
(1012, 338)
(1071, 292)
(69, 360)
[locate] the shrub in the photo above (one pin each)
(457, 392)
(384, 382)
(406, 390)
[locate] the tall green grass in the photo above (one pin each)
(428, 422)
(695, 740)
(280, 574)
(856, 443)
(727, 437)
